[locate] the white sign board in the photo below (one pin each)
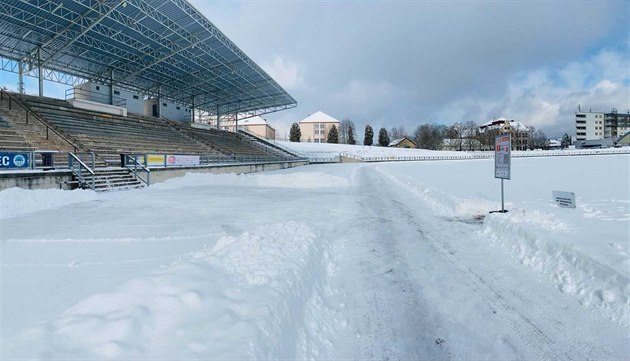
(564, 199)
(502, 156)
(181, 160)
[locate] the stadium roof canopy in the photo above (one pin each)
(150, 46)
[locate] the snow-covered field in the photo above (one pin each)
(323, 151)
(342, 261)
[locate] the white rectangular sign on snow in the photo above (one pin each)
(564, 199)
(502, 156)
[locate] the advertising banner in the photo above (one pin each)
(502, 156)
(10, 160)
(155, 160)
(182, 160)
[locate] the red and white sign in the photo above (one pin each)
(502, 156)
(181, 160)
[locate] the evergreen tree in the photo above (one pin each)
(295, 134)
(333, 135)
(383, 137)
(369, 136)
(566, 141)
(351, 136)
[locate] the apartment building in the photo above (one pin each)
(589, 125)
(315, 127)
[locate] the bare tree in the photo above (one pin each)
(471, 130)
(344, 125)
(429, 136)
(398, 133)
(456, 135)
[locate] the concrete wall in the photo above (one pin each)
(169, 110)
(35, 179)
(98, 107)
(100, 93)
(51, 179)
(261, 130)
(159, 175)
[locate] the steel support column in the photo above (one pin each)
(111, 86)
(236, 122)
(218, 119)
(40, 72)
(192, 109)
(159, 102)
(20, 77)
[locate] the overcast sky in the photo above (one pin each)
(391, 63)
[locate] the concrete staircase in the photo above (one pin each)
(113, 179)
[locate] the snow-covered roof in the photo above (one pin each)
(253, 121)
(516, 125)
(397, 141)
(319, 117)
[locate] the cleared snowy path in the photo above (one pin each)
(320, 262)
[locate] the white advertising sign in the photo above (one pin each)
(502, 156)
(181, 160)
(564, 199)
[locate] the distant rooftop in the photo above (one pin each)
(319, 117)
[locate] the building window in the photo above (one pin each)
(135, 97)
(177, 108)
(98, 87)
(580, 115)
(116, 92)
(164, 105)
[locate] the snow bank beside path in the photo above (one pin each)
(583, 252)
(243, 298)
(283, 180)
(17, 201)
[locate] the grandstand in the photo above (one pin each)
(125, 61)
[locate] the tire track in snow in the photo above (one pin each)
(393, 320)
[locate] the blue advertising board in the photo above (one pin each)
(13, 160)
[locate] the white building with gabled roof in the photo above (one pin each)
(316, 126)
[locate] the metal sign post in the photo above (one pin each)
(502, 162)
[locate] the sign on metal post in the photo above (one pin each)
(502, 156)
(502, 162)
(13, 160)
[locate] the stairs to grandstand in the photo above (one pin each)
(111, 179)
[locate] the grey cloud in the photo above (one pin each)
(431, 54)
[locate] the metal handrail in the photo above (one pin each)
(78, 171)
(270, 143)
(34, 115)
(134, 170)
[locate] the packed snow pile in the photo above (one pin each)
(235, 300)
(293, 180)
(17, 201)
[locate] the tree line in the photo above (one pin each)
(461, 136)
